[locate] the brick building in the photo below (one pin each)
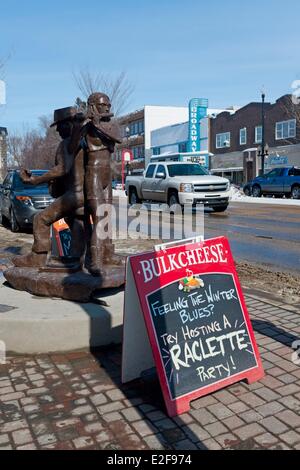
(235, 139)
(132, 128)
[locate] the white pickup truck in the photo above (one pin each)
(179, 183)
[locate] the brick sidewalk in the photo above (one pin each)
(76, 400)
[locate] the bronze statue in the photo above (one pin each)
(81, 179)
(81, 182)
(67, 177)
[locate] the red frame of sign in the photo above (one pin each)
(182, 404)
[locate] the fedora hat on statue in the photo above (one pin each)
(63, 114)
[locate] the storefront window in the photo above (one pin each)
(286, 129)
(243, 136)
(138, 151)
(223, 140)
(135, 128)
(258, 135)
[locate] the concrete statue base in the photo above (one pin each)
(33, 325)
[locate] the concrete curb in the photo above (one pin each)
(270, 299)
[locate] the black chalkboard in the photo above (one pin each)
(202, 334)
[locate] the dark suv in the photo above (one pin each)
(20, 202)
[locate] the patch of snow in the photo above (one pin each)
(237, 194)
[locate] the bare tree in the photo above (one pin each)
(15, 143)
(119, 89)
(32, 152)
(34, 148)
(51, 140)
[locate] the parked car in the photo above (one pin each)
(115, 183)
(20, 202)
(278, 182)
(179, 183)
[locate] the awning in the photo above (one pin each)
(226, 169)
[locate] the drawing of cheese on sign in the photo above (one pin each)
(190, 282)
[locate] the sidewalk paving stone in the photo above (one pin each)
(76, 400)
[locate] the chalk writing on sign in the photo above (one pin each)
(201, 332)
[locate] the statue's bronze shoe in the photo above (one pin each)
(95, 270)
(32, 260)
(94, 260)
(62, 264)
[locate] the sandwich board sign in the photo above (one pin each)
(185, 313)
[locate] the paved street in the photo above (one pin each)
(260, 233)
(76, 400)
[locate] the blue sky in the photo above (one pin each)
(172, 50)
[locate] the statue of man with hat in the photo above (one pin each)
(66, 179)
(83, 164)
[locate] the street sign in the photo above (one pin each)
(279, 160)
(185, 313)
(197, 111)
(127, 156)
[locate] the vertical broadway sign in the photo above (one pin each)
(197, 110)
